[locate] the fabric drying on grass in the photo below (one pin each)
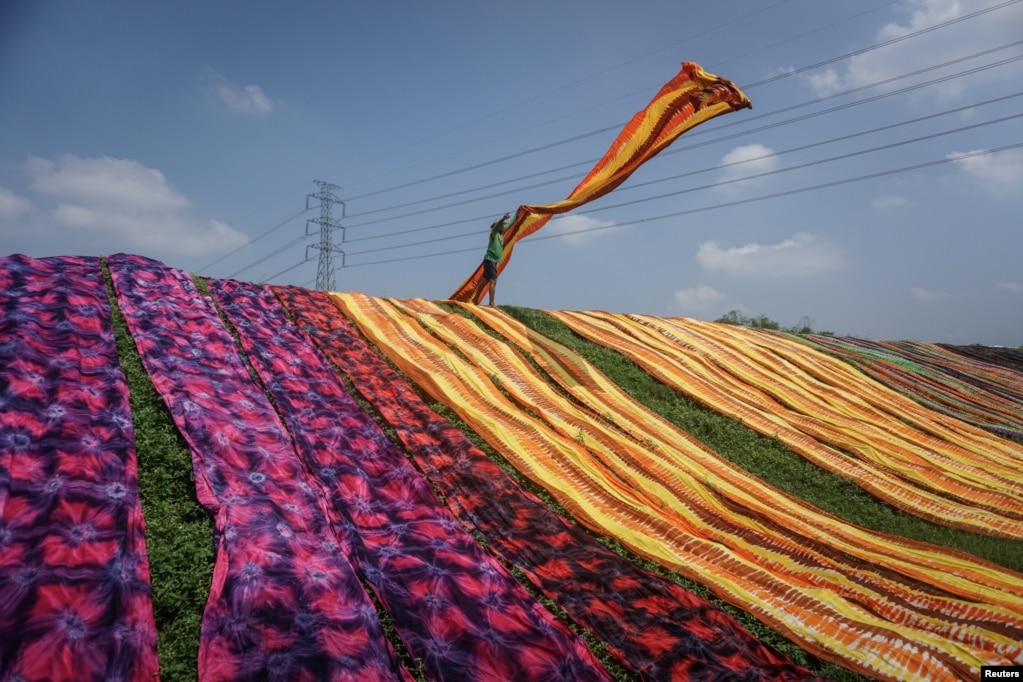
(970, 389)
(830, 401)
(75, 599)
(285, 603)
(871, 617)
(455, 607)
(652, 625)
(1008, 358)
(848, 425)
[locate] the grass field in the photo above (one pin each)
(179, 533)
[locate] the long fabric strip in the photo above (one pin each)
(1007, 358)
(602, 396)
(456, 608)
(75, 600)
(687, 100)
(630, 494)
(972, 390)
(871, 404)
(652, 625)
(286, 603)
(491, 357)
(827, 399)
(605, 399)
(724, 381)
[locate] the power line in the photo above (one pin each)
(787, 74)
(680, 149)
(747, 120)
(799, 148)
(252, 241)
(715, 140)
(526, 100)
(689, 190)
(856, 53)
(286, 270)
(712, 207)
(267, 257)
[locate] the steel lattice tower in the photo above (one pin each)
(325, 269)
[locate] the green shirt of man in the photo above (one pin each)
(495, 250)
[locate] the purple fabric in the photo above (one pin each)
(285, 604)
(455, 607)
(75, 600)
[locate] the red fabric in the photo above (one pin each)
(285, 603)
(75, 598)
(457, 609)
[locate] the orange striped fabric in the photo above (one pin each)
(977, 392)
(940, 480)
(842, 592)
(687, 100)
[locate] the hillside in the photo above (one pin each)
(342, 485)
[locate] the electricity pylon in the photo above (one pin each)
(325, 269)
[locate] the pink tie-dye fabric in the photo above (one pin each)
(286, 603)
(456, 608)
(75, 600)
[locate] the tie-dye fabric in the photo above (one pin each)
(285, 603)
(454, 606)
(653, 626)
(75, 599)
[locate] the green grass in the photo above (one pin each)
(179, 532)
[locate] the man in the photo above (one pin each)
(495, 250)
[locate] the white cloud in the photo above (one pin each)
(248, 99)
(577, 229)
(890, 201)
(825, 83)
(1000, 174)
(750, 159)
(799, 256)
(696, 299)
(781, 71)
(122, 205)
(13, 206)
(1011, 287)
(980, 33)
(921, 294)
(105, 181)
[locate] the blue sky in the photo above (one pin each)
(875, 190)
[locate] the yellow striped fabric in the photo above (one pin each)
(630, 475)
(727, 382)
(982, 393)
